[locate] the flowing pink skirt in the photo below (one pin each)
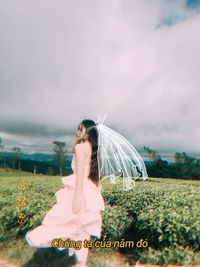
(61, 222)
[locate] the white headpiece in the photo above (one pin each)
(117, 157)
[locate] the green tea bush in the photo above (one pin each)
(166, 213)
(115, 221)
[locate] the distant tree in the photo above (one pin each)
(17, 156)
(50, 171)
(1, 151)
(186, 166)
(35, 169)
(60, 154)
(159, 167)
(152, 154)
(34, 163)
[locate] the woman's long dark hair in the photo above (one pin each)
(92, 133)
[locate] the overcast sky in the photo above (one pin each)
(136, 61)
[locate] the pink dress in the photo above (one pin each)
(61, 222)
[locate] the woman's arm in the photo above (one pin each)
(78, 202)
(79, 155)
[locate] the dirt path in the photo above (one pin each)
(4, 263)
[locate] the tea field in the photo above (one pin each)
(159, 217)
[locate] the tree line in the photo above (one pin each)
(16, 161)
(184, 166)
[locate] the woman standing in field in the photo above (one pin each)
(77, 213)
(98, 152)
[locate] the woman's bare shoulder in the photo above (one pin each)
(84, 145)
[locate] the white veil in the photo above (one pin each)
(117, 158)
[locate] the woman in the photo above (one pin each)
(77, 213)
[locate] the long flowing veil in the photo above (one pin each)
(117, 158)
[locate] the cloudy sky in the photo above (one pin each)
(135, 60)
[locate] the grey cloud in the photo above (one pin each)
(66, 60)
(32, 129)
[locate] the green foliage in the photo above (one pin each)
(2, 151)
(17, 154)
(159, 167)
(175, 254)
(60, 154)
(163, 211)
(185, 167)
(50, 171)
(115, 221)
(38, 192)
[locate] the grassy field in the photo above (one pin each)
(165, 212)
